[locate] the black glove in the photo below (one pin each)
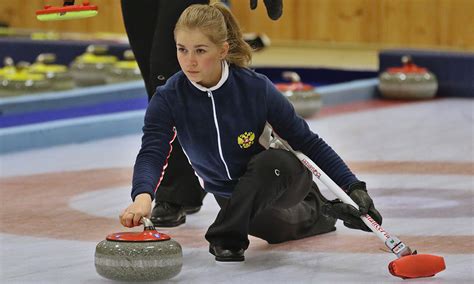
(348, 213)
(274, 8)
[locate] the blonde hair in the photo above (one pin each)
(219, 25)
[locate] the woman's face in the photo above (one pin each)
(199, 58)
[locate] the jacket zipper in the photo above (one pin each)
(209, 94)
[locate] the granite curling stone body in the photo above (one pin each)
(408, 82)
(138, 256)
(304, 98)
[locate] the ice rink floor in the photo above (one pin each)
(417, 159)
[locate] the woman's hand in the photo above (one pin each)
(348, 213)
(141, 207)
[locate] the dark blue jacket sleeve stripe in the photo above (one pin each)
(158, 134)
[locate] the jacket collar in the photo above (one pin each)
(224, 76)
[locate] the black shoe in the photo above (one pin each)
(192, 209)
(228, 255)
(167, 214)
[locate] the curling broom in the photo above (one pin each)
(67, 12)
(409, 264)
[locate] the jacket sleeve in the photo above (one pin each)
(151, 161)
(291, 127)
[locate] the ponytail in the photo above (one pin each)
(240, 53)
(219, 25)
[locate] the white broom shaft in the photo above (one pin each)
(341, 194)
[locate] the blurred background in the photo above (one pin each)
(321, 43)
(444, 24)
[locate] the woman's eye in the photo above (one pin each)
(200, 51)
(180, 49)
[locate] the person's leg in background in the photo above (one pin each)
(150, 25)
(275, 200)
(140, 19)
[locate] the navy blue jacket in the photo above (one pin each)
(218, 129)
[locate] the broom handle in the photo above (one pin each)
(341, 194)
(393, 243)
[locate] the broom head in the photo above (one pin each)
(417, 266)
(50, 13)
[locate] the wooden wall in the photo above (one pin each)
(404, 23)
(448, 23)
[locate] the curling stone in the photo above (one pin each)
(408, 82)
(306, 101)
(8, 67)
(138, 256)
(21, 81)
(92, 67)
(125, 70)
(68, 11)
(60, 77)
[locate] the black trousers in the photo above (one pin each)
(276, 200)
(149, 25)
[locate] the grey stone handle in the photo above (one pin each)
(147, 223)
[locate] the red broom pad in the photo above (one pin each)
(417, 266)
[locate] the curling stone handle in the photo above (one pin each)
(68, 3)
(291, 76)
(8, 61)
(147, 223)
(407, 60)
